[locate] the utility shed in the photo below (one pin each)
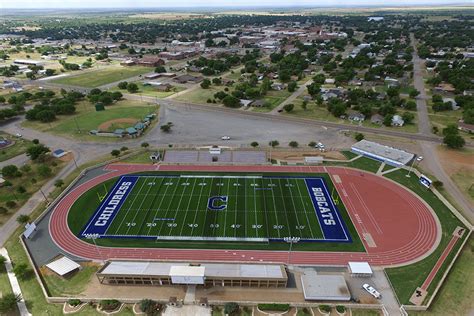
(63, 266)
(187, 274)
(324, 287)
(360, 269)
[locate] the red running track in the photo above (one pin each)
(395, 226)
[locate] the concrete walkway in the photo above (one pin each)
(187, 310)
(14, 283)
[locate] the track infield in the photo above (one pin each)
(219, 207)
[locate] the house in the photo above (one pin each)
(397, 120)
(307, 98)
(188, 78)
(165, 87)
(194, 69)
(278, 86)
(355, 116)
(245, 102)
(258, 103)
(27, 62)
(445, 87)
(152, 76)
(391, 82)
(454, 104)
(376, 119)
(128, 62)
(329, 81)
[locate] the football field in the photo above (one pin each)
(201, 207)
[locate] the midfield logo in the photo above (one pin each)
(217, 203)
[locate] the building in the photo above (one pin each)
(397, 120)
(324, 287)
(469, 128)
(389, 155)
(150, 61)
(188, 78)
(27, 62)
(209, 274)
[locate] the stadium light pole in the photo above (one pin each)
(411, 167)
(291, 241)
(94, 237)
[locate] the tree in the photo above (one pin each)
(123, 148)
(145, 145)
(387, 120)
(408, 117)
(304, 105)
(23, 219)
(2, 261)
(44, 171)
(8, 302)
(454, 141)
(293, 144)
(166, 127)
(58, 183)
(312, 144)
(36, 151)
(289, 107)
(231, 101)
(292, 86)
(115, 153)
(21, 271)
(231, 308)
(450, 129)
(359, 136)
(205, 84)
(132, 87)
(160, 69)
(274, 143)
(413, 93)
(10, 171)
(3, 211)
(123, 85)
(254, 144)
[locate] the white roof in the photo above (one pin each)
(360, 267)
(210, 269)
(63, 266)
(187, 271)
(324, 287)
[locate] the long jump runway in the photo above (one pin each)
(396, 227)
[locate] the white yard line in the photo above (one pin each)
(168, 208)
(139, 208)
(158, 208)
(305, 212)
(294, 209)
(187, 208)
(196, 212)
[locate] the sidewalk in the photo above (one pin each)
(14, 283)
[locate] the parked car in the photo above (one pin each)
(225, 137)
(372, 291)
(419, 158)
(18, 135)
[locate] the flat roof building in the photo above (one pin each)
(324, 287)
(215, 274)
(389, 155)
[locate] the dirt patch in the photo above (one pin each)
(459, 165)
(300, 155)
(117, 122)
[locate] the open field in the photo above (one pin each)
(77, 126)
(97, 78)
(151, 91)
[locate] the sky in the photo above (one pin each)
(210, 3)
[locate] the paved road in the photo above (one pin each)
(428, 148)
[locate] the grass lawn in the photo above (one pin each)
(459, 280)
(151, 91)
(18, 148)
(365, 312)
(199, 95)
(96, 78)
(31, 181)
(73, 285)
(406, 279)
(78, 126)
(141, 157)
(274, 98)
